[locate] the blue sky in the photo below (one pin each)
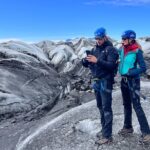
(35, 20)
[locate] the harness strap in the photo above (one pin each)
(132, 87)
(100, 84)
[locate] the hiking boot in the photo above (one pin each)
(99, 134)
(125, 131)
(145, 139)
(104, 141)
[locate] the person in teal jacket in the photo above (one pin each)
(131, 65)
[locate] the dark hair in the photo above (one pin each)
(133, 41)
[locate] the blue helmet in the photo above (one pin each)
(129, 34)
(100, 33)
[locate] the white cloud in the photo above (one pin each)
(119, 2)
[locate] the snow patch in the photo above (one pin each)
(88, 126)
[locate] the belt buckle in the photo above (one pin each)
(96, 79)
(125, 79)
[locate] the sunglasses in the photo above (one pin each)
(123, 39)
(99, 39)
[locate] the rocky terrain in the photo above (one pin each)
(45, 97)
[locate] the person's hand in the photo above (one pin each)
(84, 60)
(91, 58)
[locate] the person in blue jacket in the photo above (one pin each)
(131, 65)
(102, 63)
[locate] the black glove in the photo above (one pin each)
(85, 62)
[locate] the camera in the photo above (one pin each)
(88, 52)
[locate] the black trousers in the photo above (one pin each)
(104, 103)
(130, 98)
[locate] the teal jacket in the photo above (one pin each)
(132, 64)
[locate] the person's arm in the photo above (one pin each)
(110, 63)
(84, 62)
(141, 63)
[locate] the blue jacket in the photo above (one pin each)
(107, 56)
(132, 64)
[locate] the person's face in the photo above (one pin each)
(125, 41)
(100, 41)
